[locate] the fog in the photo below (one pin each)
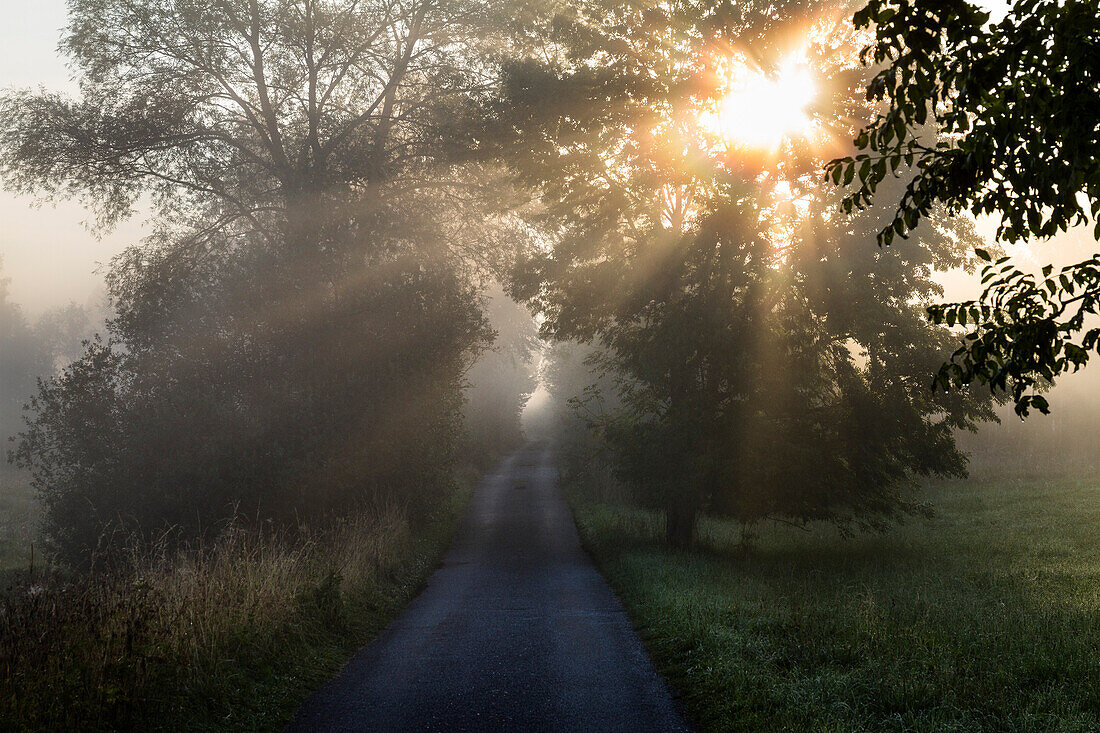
(756, 326)
(55, 261)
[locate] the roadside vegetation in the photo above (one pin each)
(249, 463)
(228, 635)
(985, 617)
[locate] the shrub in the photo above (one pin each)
(189, 629)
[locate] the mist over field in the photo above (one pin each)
(661, 366)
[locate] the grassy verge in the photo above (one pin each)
(230, 637)
(984, 618)
(18, 517)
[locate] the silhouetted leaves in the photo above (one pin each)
(1000, 119)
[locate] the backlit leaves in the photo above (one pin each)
(1001, 120)
(1026, 330)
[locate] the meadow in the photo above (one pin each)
(986, 617)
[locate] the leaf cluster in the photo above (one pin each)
(1024, 331)
(1000, 119)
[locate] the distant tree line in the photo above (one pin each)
(33, 348)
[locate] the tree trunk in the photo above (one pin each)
(680, 522)
(682, 509)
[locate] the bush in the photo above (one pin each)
(222, 389)
(194, 631)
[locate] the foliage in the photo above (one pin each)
(252, 111)
(1060, 445)
(746, 327)
(308, 305)
(212, 413)
(1015, 108)
(1025, 330)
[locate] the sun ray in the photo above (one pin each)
(759, 110)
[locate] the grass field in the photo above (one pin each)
(984, 618)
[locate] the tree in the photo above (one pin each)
(258, 111)
(23, 358)
(1000, 119)
(293, 338)
(500, 383)
(764, 373)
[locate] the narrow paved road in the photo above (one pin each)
(516, 631)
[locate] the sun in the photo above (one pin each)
(759, 110)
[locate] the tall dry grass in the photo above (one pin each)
(182, 633)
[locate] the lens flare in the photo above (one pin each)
(758, 110)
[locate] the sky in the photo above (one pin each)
(48, 253)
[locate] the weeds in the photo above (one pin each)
(231, 634)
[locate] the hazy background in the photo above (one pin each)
(48, 253)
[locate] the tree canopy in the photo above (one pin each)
(769, 366)
(294, 336)
(333, 184)
(1000, 119)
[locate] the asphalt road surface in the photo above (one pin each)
(515, 631)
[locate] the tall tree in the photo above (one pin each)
(293, 337)
(1000, 119)
(258, 111)
(766, 372)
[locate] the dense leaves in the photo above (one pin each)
(768, 366)
(1000, 119)
(293, 339)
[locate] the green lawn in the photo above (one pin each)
(984, 618)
